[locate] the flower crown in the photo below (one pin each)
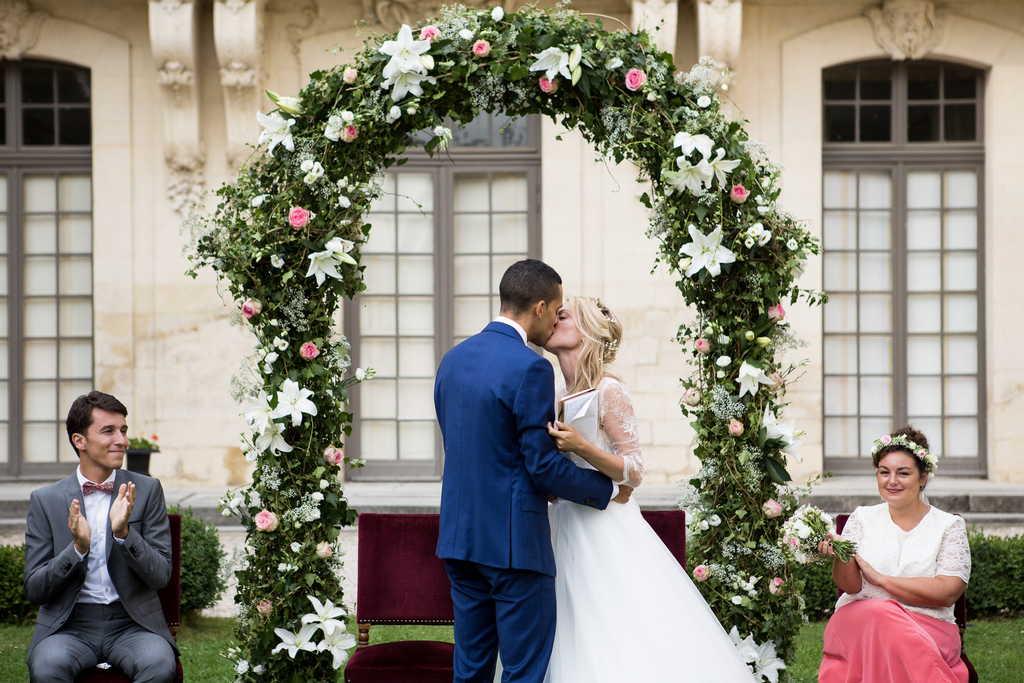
(931, 463)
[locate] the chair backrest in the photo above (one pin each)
(170, 595)
(670, 525)
(400, 579)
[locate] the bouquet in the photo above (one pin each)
(805, 529)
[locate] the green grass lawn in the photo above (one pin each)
(995, 646)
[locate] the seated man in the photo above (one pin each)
(96, 575)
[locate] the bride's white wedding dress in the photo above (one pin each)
(626, 610)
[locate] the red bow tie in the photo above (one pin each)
(88, 487)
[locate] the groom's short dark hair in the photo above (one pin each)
(80, 415)
(525, 283)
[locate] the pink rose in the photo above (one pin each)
(691, 397)
(886, 439)
(635, 78)
(349, 75)
(266, 520)
(776, 312)
(333, 455)
(430, 33)
(251, 308)
(323, 550)
(771, 508)
(701, 572)
(298, 217)
(481, 48)
(739, 194)
(265, 608)
(775, 586)
(735, 427)
(348, 133)
(703, 346)
(309, 351)
(549, 85)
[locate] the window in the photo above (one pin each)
(46, 309)
(443, 235)
(903, 258)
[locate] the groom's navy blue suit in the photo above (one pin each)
(493, 397)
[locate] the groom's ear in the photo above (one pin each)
(538, 308)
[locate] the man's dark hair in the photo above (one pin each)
(525, 283)
(80, 416)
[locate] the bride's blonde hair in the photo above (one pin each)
(601, 332)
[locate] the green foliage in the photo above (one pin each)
(997, 575)
(201, 558)
(819, 590)
(14, 606)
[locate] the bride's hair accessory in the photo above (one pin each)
(931, 463)
(610, 344)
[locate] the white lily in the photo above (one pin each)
(786, 433)
(291, 105)
(746, 647)
(322, 264)
(575, 56)
(767, 665)
(293, 401)
(691, 142)
(338, 643)
(406, 82)
(552, 61)
(325, 617)
(340, 248)
(721, 165)
(273, 439)
(259, 414)
(706, 251)
(293, 642)
(405, 53)
(277, 130)
(751, 378)
(689, 176)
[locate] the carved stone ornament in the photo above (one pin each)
(19, 27)
(720, 30)
(238, 36)
(660, 18)
(173, 35)
(907, 29)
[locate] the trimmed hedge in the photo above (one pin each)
(14, 608)
(202, 582)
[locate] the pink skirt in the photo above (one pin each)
(880, 641)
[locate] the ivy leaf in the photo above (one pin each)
(777, 472)
(762, 437)
(310, 579)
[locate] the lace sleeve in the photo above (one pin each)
(619, 422)
(854, 529)
(955, 552)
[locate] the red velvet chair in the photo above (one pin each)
(670, 525)
(401, 581)
(959, 613)
(170, 600)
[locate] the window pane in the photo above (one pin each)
(841, 314)
(40, 442)
(961, 189)
(471, 233)
(74, 126)
(875, 232)
(382, 238)
(961, 396)
(840, 355)
(960, 122)
(36, 85)
(961, 230)
(416, 316)
(38, 127)
(924, 313)
(416, 357)
(377, 398)
(67, 392)
(923, 272)
(924, 396)
(75, 192)
(875, 396)
(3, 182)
(509, 192)
(471, 315)
(841, 437)
(871, 429)
(840, 190)
(961, 355)
(40, 276)
(379, 354)
(840, 395)
(961, 437)
(76, 359)
(876, 82)
(839, 123)
(472, 134)
(840, 230)
(924, 355)
(415, 192)
(922, 81)
(418, 439)
(3, 371)
(378, 440)
(386, 202)
(510, 232)
(40, 360)
(924, 230)
(875, 123)
(40, 318)
(875, 275)
(40, 235)
(499, 264)
(416, 399)
(40, 400)
(74, 234)
(923, 123)
(876, 355)
(415, 233)
(875, 313)
(73, 86)
(377, 316)
(931, 428)
(415, 274)
(961, 271)
(924, 190)
(471, 193)
(5, 416)
(75, 318)
(380, 275)
(875, 191)
(840, 272)
(959, 83)
(472, 275)
(507, 133)
(75, 275)
(840, 83)
(961, 313)
(40, 192)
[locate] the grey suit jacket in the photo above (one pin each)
(138, 568)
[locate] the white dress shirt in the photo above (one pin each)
(98, 588)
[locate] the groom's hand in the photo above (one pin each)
(624, 493)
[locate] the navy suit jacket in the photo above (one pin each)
(494, 397)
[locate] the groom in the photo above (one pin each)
(494, 396)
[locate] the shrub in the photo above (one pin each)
(201, 556)
(819, 591)
(997, 575)
(14, 607)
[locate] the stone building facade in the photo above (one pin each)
(895, 122)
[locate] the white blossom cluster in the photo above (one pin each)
(724, 405)
(293, 311)
(759, 154)
(270, 477)
(708, 470)
(731, 551)
(771, 556)
(703, 78)
(488, 90)
(617, 125)
(784, 340)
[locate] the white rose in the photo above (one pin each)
(324, 483)
(317, 497)
(466, 34)
(737, 600)
(497, 14)
(703, 101)
(242, 666)
(714, 520)
(703, 525)
(723, 361)
(344, 202)
(296, 547)
(306, 166)
(347, 117)
(613, 63)
(276, 261)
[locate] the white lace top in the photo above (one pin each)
(936, 546)
(618, 432)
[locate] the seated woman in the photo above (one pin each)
(894, 622)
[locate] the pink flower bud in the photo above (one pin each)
(701, 572)
(771, 508)
(298, 217)
(323, 550)
(776, 379)
(266, 520)
(481, 48)
(264, 607)
(349, 75)
(309, 351)
(703, 346)
(776, 312)
(691, 397)
(775, 586)
(886, 439)
(430, 33)
(333, 455)
(635, 78)
(739, 194)
(735, 427)
(549, 85)
(348, 133)
(251, 308)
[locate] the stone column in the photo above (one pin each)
(719, 30)
(238, 35)
(660, 18)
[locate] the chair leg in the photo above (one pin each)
(364, 635)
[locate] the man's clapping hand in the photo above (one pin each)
(80, 529)
(121, 510)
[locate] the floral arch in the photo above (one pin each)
(285, 239)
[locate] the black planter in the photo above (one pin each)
(138, 460)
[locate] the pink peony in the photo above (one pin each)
(309, 351)
(771, 508)
(701, 572)
(691, 397)
(348, 133)
(775, 586)
(481, 48)
(703, 346)
(333, 455)
(251, 308)
(735, 427)
(264, 607)
(635, 78)
(739, 194)
(550, 86)
(776, 312)
(298, 217)
(430, 33)
(323, 550)
(266, 520)
(350, 75)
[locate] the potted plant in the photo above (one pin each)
(139, 449)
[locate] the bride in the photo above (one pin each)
(626, 610)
